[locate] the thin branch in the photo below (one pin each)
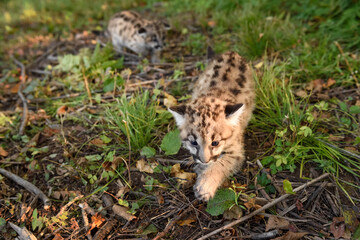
(29, 186)
(24, 117)
(348, 153)
(269, 205)
(347, 64)
(24, 234)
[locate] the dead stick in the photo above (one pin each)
(171, 223)
(29, 186)
(347, 63)
(62, 210)
(87, 85)
(269, 205)
(24, 117)
(24, 234)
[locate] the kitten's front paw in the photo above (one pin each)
(205, 188)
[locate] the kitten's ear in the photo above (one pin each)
(233, 113)
(142, 32)
(179, 114)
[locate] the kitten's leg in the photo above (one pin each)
(214, 175)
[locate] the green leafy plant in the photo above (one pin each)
(171, 143)
(266, 183)
(223, 200)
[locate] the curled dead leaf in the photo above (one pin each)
(301, 93)
(97, 142)
(143, 166)
(211, 23)
(276, 223)
(15, 88)
(234, 212)
(3, 152)
(329, 83)
(169, 100)
(123, 212)
(96, 221)
(61, 110)
(185, 179)
(337, 227)
(315, 85)
(186, 222)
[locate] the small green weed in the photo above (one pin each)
(138, 118)
(196, 43)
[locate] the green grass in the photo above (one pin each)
(299, 139)
(295, 40)
(139, 119)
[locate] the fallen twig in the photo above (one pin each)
(265, 235)
(29, 186)
(24, 116)
(86, 223)
(171, 223)
(24, 234)
(347, 64)
(270, 204)
(62, 210)
(348, 153)
(105, 229)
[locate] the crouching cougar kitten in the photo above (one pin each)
(145, 37)
(213, 123)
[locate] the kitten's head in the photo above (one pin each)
(206, 125)
(154, 34)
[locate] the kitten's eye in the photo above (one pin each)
(194, 143)
(153, 38)
(215, 143)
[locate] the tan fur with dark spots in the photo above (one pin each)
(212, 124)
(128, 29)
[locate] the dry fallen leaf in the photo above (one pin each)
(259, 64)
(337, 227)
(123, 212)
(276, 223)
(334, 138)
(299, 205)
(211, 23)
(61, 110)
(3, 152)
(169, 100)
(301, 93)
(250, 203)
(74, 224)
(186, 222)
(143, 166)
(329, 83)
(234, 212)
(185, 179)
(96, 221)
(15, 88)
(97, 142)
(315, 85)
(291, 236)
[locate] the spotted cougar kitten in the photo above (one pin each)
(145, 37)
(212, 124)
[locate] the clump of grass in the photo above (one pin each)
(196, 43)
(138, 118)
(297, 139)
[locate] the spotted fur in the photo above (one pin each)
(128, 29)
(212, 124)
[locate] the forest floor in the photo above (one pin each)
(88, 129)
